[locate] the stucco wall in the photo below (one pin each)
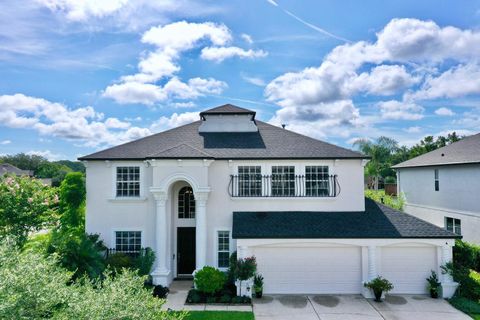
(106, 214)
(457, 196)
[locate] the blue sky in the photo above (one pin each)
(80, 76)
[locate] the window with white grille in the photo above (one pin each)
(317, 182)
(249, 181)
(223, 238)
(186, 203)
(128, 181)
(128, 241)
(283, 181)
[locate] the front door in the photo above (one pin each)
(185, 251)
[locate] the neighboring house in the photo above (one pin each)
(229, 182)
(6, 168)
(443, 187)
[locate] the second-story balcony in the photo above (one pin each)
(283, 185)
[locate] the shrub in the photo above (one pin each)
(466, 255)
(380, 197)
(160, 291)
(144, 262)
(211, 300)
(226, 298)
(119, 260)
(209, 280)
(245, 268)
(194, 296)
(466, 305)
(390, 179)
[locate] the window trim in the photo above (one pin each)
(113, 242)
(328, 181)
(141, 196)
(453, 224)
(178, 204)
(294, 191)
(216, 249)
(261, 180)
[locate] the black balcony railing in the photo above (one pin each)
(257, 185)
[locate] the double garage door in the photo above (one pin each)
(338, 270)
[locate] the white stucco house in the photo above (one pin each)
(443, 187)
(229, 182)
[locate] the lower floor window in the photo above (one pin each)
(454, 225)
(223, 238)
(128, 241)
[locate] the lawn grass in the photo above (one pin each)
(472, 308)
(219, 315)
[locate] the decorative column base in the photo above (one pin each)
(448, 289)
(161, 277)
(246, 288)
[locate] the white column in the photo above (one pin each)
(448, 285)
(201, 229)
(161, 274)
(372, 262)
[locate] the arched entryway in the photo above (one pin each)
(184, 242)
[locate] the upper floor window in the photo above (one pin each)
(128, 181)
(223, 245)
(186, 203)
(249, 181)
(316, 181)
(454, 225)
(437, 182)
(128, 241)
(283, 181)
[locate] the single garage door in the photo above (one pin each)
(408, 267)
(310, 269)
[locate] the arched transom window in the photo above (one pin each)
(186, 203)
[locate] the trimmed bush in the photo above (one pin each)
(466, 305)
(144, 262)
(160, 291)
(209, 280)
(380, 197)
(119, 260)
(466, 255)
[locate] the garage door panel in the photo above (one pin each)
(408, 267)
(310, 270)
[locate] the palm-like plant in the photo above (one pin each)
(380, 152)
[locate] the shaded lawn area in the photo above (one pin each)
(220, 315)
(472, 308)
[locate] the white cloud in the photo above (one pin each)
(405, 53)
(219, 54)
(444, 112)
(175, 120)
(49, 155)
(399, 110)
(81, 10)
(162, 64)
(84, 124)
(247, 38)
(4, 142)
(415, 129)
(254, 80)
(458, 81)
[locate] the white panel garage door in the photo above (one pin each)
(408, 267)
(310, 270)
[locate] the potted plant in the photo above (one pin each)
(245, 269)
(433, 285)
(258, 285)
(378, 286)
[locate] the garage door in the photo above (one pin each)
(310, 270)
(408, 267)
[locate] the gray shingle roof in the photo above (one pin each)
(228, 109)
(270, 142)
(377, 221)
(8, 168)
(464, 151)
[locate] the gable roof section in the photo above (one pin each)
(227, 109)
(377, 221)
(8, 168)
(464, 151)
(270, 142)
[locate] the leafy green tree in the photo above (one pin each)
(75, 166)
(26, 206)
(55, 171)
(380, 152)
(25, 161)
(72, 201)
(34, 286)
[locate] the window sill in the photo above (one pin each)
(132, 199)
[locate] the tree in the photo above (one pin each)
(55, 171)
(26, 206)
(72, 201)
(25, 161)
(380, 152)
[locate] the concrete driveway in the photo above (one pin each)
(344, 307)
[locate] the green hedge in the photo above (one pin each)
(466, 255)
(380, 197)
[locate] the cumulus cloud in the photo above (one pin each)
(402, 58)
(174, 120)
(49, 155)
(399, 110)
(161, 64)
(219, 54)
(84, 124)
(444, 112)
(458, 81)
